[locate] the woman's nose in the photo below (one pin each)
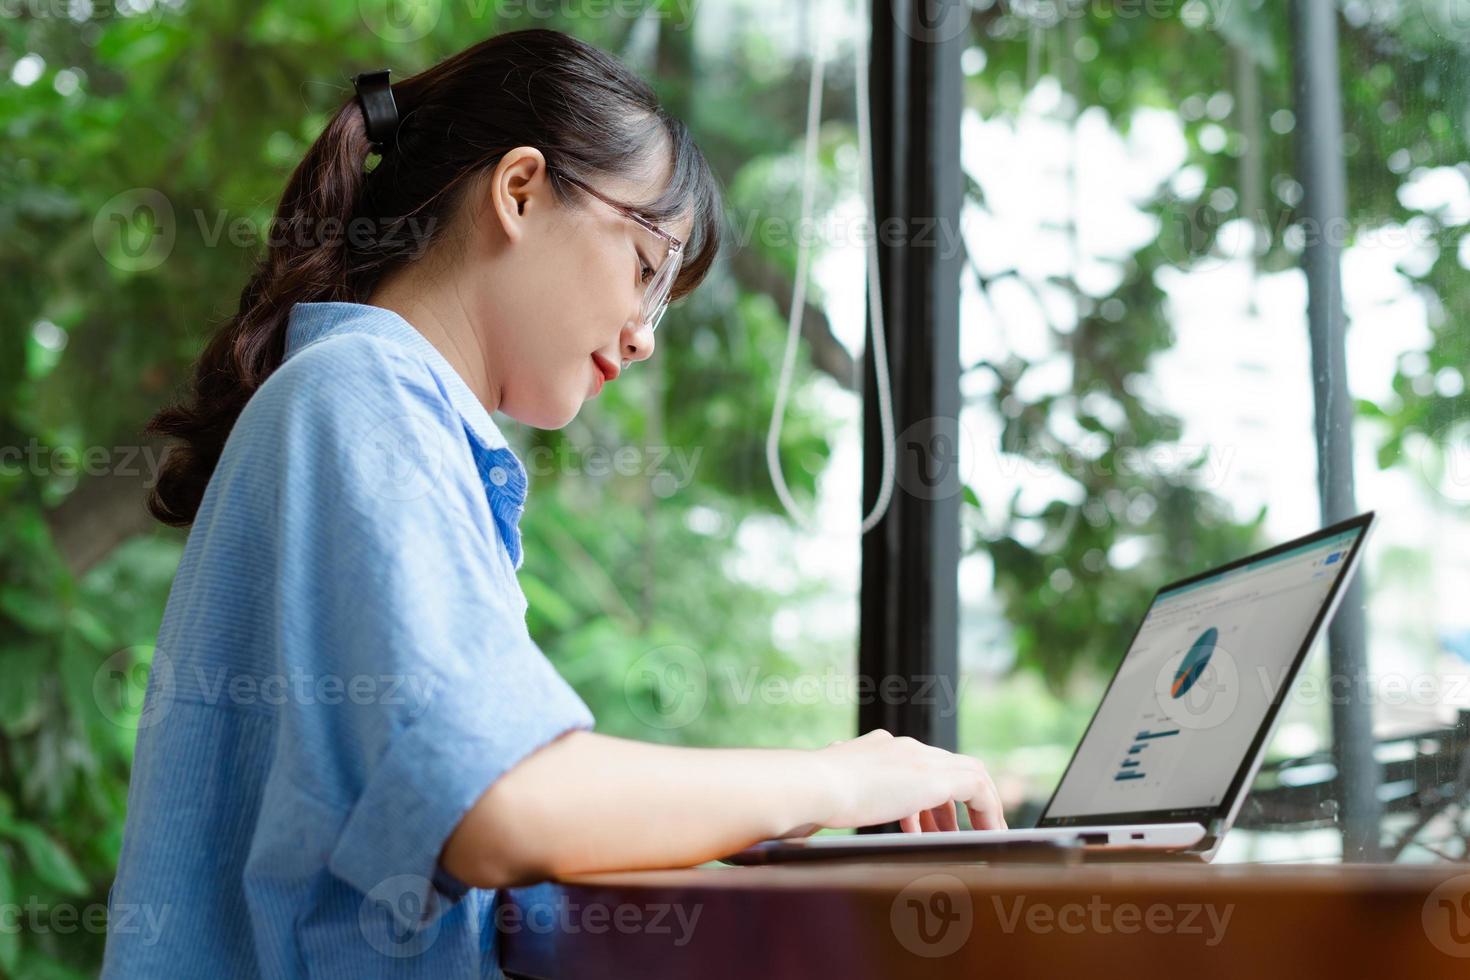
(637, 342)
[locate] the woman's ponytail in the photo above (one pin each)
(307, 260)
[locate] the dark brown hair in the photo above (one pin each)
(340, 228)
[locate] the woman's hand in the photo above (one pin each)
(876, 778)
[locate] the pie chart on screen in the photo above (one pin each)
(1194, 662)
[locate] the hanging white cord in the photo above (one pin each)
(878, 348)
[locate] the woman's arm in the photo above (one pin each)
(588, 802)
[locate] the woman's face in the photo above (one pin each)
(561, 304)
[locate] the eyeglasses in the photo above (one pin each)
(656, 293)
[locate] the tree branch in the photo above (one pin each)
(107, 509)
(759, 275)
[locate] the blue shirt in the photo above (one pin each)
(343, 668)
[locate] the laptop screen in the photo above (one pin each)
(1193, 697)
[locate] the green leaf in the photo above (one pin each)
(38, 612)
(77, 670)
(48, 859)
(1369, 409)
(36, 965)
(1389, 453)
(91, 628)
(972, 498)
(20, 695)
(547, 602)
(9, 940)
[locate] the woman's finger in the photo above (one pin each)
(944, 816)
(995, 794)
(909, 824)
(985, 809)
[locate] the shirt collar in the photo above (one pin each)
(312, 321)
(501, 470)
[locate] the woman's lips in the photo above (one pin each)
(605, 373)
(609, 370)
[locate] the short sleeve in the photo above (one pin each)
(392, 600)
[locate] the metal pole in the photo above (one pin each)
(1324, 213)
(909, 631)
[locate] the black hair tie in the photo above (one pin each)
(378, 108)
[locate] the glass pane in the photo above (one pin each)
(1405, 71)
(1138, 386)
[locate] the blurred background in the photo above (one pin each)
(1138, 396)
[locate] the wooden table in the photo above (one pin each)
(850, 920)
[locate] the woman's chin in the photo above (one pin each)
(552, 416)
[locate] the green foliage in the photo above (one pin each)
(1401, 83)
(210, 105)
(201, 113)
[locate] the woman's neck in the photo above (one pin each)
(446, 324)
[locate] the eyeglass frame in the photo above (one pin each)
(671, 259)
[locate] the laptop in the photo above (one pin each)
(1169, 756)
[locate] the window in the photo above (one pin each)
(1138, 374)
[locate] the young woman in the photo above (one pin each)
(349, 740)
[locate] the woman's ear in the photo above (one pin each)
(519, 184)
